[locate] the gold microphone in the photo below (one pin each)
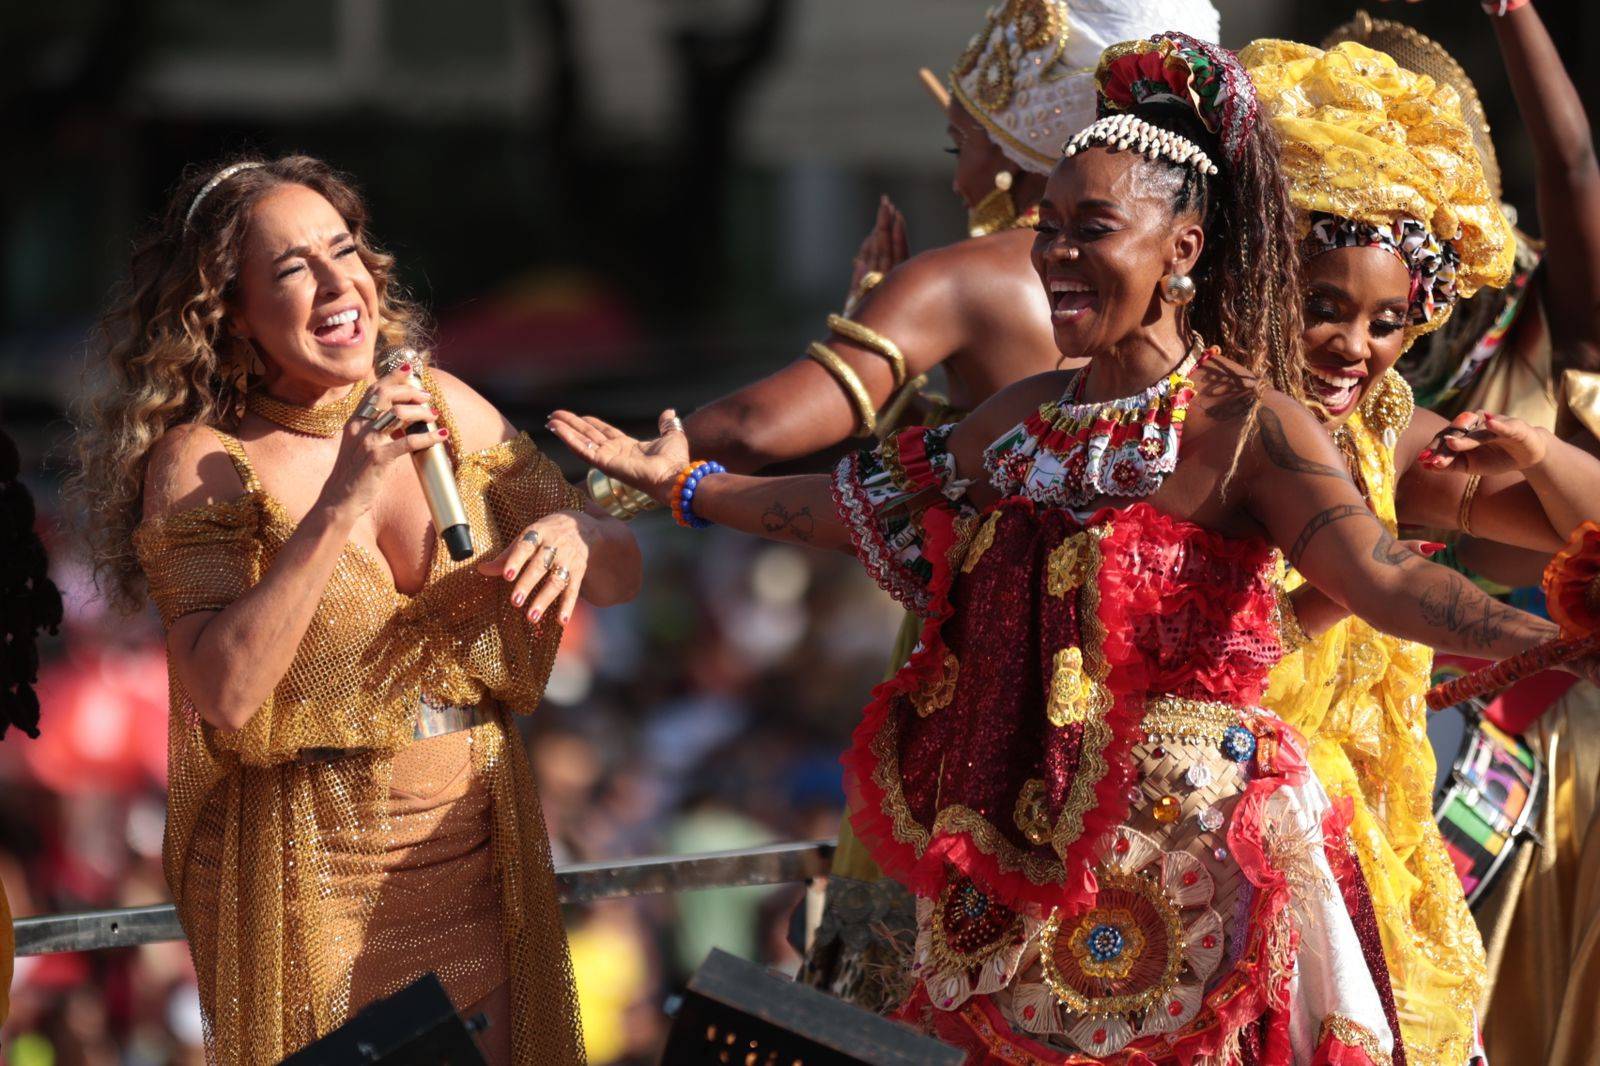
(435, 470)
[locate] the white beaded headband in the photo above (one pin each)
(216, 179)
(1126, 130)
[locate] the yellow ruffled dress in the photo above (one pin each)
(1357, 696)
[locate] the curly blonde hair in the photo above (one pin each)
(164, 356)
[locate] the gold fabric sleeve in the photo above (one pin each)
(201, 559)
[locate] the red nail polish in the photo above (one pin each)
(444, 433)
(533, 616)
(1424, 455)
(1431, 546)
(518, 597)
(510, 574)
(565, 619)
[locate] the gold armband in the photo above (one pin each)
(869, 281)
(1292, 635)
(850, 381)
(616, 499)
(874, 342)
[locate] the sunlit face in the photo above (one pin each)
(1355, 317)
(304, 296)
(978, 159)
(1115, 212)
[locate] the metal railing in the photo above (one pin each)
(583, 882)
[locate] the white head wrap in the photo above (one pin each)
(1028, 76)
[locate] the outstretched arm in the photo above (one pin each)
(1299, 491)
(805, 407)
(1567, 180)
(1535, 489)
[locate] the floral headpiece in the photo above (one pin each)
(1176, 68)
(1376, 155)
(1028, 75)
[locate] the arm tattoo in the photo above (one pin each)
(1391, 552)
(1282, 453)
(1322, 520)
(1478, 620)
(800, 524)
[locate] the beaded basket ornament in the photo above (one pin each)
(1122, 132)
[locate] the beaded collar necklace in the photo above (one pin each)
(1069, 452)
(324, 420)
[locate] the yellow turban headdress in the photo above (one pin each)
(1375, 154)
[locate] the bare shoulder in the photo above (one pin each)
(479, 422)
(1225, 390)
(188, 467)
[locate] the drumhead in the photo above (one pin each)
(1448, 732)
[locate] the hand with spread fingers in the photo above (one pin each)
(548, 561)
(375, 437)
(649, 466)
(883, 249)
(1481, 442)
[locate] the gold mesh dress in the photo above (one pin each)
(322, 857)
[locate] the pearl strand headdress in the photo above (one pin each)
(1126, 130)
(216, 179)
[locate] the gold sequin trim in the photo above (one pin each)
(1354, 1035)
(1292, 635)
(1068, 563)
(940, 690)
(980, 544)
(1096, 733)
(1176, 718)
(1031, 815)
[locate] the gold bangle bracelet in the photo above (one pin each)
(1468, 494)
(850, 381)
(874, 342)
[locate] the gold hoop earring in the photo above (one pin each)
(1177, 289)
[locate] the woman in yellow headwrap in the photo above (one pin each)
(1397, 223)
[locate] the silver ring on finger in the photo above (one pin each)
(533, 536)
(385, 420)
(368, 409)
(674, 424)
(561, 574)
(549, 558)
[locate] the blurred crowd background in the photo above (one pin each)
(611, 205)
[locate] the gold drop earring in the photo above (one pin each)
(996, 211)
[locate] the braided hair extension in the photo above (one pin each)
(29, 600)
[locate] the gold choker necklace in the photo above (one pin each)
(324, 420)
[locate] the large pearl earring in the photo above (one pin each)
(1177, 288)
(1003, 180)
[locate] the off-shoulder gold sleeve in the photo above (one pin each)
(505, 488)
(201, 559)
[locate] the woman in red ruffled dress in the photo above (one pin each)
(1117, 855)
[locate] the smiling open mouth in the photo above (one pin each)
(340, 329)
(1069, 299)
(1336, 392)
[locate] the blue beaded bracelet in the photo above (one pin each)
(686, 494)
